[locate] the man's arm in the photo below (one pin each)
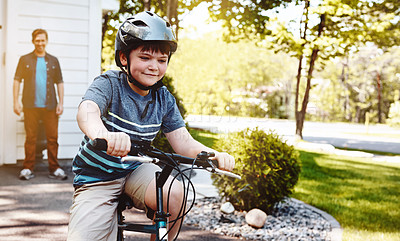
(89, 121)
(16, 104)
(60, 92)
(184, 144)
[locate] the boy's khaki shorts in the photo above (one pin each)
(94, 208)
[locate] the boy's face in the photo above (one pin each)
(147, 67)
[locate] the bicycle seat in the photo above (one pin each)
(124, 202)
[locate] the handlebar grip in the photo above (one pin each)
(100, 144)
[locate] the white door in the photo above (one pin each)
(2, 78)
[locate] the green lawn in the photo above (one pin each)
(362, 195)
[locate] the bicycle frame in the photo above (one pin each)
(160, 226)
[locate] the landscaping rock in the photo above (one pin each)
(290, 220)
(227, 208)
(256, 218)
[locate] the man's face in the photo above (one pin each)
(147, 67)
(40, 43)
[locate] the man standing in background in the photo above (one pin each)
(40, 71)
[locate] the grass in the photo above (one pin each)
(205, 137)
(362, 195)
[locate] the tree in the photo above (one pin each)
(219, 78)
(328, 29)
(346, 89)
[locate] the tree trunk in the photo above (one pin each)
(297, 114)
(299, 125)
(104, 27)
(172, 15)
(344, 78)
(300, 116)
(302, 113)
(171, 10)
(147, 5)
(379, 86)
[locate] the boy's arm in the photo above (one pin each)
(184, 144)
(90, 123)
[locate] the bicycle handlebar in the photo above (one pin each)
(144, 152)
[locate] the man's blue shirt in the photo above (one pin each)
(41, 83)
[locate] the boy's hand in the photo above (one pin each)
(225, 161)
(119, 143)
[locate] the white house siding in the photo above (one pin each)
(2, 76)
(74, 28)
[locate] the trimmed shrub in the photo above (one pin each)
(268, 166)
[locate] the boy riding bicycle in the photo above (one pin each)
(124, 105)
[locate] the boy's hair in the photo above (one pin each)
(151, 46)
(147, 30)
(37, 32)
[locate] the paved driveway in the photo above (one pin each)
(38, 209)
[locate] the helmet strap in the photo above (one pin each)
(132, 80)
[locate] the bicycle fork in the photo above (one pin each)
(161, 219)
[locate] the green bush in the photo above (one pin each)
(268, 166)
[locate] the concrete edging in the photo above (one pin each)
(336, 233)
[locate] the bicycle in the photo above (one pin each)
(145, 153)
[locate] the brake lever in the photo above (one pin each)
(204, 157)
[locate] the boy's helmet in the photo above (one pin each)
(144, 26)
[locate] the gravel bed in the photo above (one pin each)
(290, 221)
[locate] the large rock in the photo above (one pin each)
(256, 218)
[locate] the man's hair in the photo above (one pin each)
(39, 31)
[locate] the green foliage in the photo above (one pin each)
(268, 166)
(246, 109)
(244, 19)
(347, 88)
(394, 113)
(276, 105)
(211, 75)
(327, 29)
(168, 82)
